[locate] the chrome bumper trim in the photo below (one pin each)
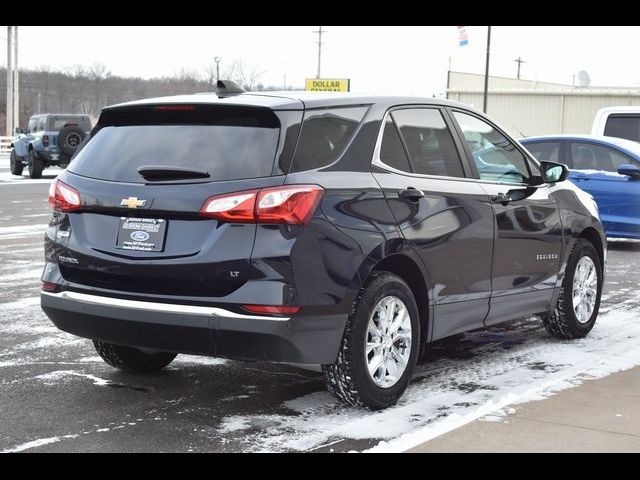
(158, 307)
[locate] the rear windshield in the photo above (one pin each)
(58, 122)
(227, 145)
(623, 126)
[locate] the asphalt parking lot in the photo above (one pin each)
(56, 394)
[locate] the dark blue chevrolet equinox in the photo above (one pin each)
(341, 230)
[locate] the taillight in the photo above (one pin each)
(64, 198)
(272, 309)
(50, 287)
(291, 204)
(233, 207)
(45, 140)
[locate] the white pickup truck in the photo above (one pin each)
(621, 122)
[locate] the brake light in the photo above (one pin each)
(63, 198)
(175, 108)
(290, 204)
(272, 309)
(45, 140)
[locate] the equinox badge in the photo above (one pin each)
(132, 202)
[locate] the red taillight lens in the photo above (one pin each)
(50, 287)
(291, 204)
(272, 309)
(45, 140)
(64, 198)
(233, 207)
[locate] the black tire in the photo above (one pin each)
(562, 322)
(132, 359)
(348, 378)
(69, 139)
(36, 165)
(15, 163)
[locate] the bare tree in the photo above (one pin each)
(97, 74)
(245, 74)
(210, 74)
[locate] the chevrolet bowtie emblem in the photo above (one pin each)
(132, 202)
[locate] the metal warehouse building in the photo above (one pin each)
(527, 108)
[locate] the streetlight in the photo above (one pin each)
(217, 60)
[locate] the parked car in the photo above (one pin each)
(334, 229)
(608, 168)
(620, 122)
(50, 140)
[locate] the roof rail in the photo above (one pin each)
(227, 88)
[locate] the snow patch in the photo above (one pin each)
(37, 443)
(27, 275)
(21, 229)
(20, 304)
(194, 359)
(53, 378)
(234, 424)
(501, 367)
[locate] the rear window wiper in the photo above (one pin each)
(162, 172)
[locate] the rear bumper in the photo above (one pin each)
(198, 330)
(52, 155)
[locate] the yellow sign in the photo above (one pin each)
(327, 85)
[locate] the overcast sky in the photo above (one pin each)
(411, 60)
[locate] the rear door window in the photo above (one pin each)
(428, 141)
(228, 143)
(325, 134)
(545, 151)
(623, 126)
(32, 124)
(589, 156)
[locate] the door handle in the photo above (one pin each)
(411, 193)
(501, 198)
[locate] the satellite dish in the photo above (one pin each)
(583, 79)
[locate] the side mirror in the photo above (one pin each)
(18, 131)
(630, 170)
(553, 172)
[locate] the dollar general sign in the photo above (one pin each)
(327, 85)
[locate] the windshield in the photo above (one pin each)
(226, 152)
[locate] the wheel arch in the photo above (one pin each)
(409, 270)
(592, 235)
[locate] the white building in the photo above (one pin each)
(527, 108)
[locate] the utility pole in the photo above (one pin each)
(486, 72)
(16, 81)
(319, 32)
(13, 81)
(448, 78)
(217, 60)
(10, 129)
(519, 61)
